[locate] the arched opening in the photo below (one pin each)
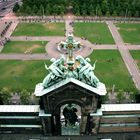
(55, 102)
(59, 119)
(70, 116)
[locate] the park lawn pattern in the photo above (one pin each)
(136, 56)
(25, 47)
(18, 75)
(130, 32)
(40, 29)
(94, 32)
(110, 69)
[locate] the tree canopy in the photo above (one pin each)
(107, 7)
(80, 7)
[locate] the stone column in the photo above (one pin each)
(83, 124)
(46, 125)
(57, 125)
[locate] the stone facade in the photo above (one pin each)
(69, 93)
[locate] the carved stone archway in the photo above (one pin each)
(69, 93)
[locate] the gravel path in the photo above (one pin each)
(124, 51)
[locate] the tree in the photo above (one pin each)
(28, 10)
(58, 10)
(81, 7)
(136, 14)
(118, 10)
(132, 96)
(107, 13)
(91, 10)
(137, 97)
(35, 9)
(24, 96)
(129, 14)
(104, 7)
(133, 8)
(104, 98)
(62, 10)
(121, 13)
(22, 10)
(47, 10)
(5, 95)
(16, 8)
(40, 11)
(76, 9)
(111, 8)
(84, 10)
(55, 10)
(114, 13)
(120, 96)
(99, 12)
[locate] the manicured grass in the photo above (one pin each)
(39, 29)
(110, 69)
(18, 75)
(136, 55)
(25, 47)
(94, 32)
(130, 32)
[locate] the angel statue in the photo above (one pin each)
(56, 72)
(85, 71)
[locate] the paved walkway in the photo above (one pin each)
(34, 38)
(124, 51)
(24, 56)
(133, 47)
(8, 32)
(51, 47)
(68, 26)
(11, 29)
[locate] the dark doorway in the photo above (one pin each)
(70, 116)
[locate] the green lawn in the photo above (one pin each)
(18, 75)
(110, 69)
(39, 29)
(94, 32)
(25, 47)
(130, 32)
(136, 55)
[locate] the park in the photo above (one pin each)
(110, 64)
(70, 68)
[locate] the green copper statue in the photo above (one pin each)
(69, 45)
(85, 71)
(56, 72)
(78, 68)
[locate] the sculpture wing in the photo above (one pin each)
(93, 68)
(46, 67)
